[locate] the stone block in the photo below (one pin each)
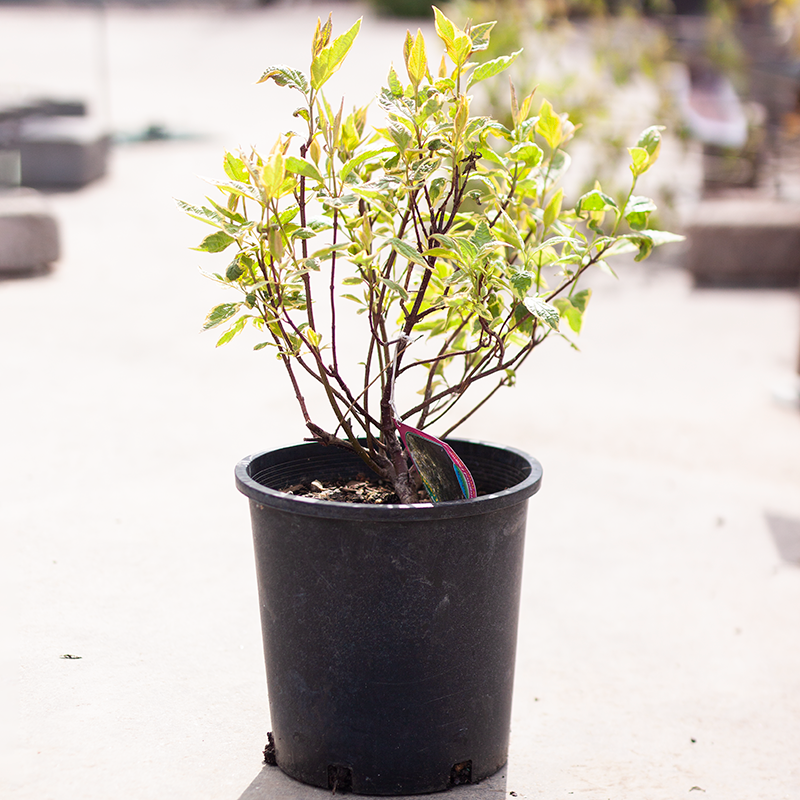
(29, 240)
(62, 152)
(744, 242)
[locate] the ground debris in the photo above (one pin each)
(358, 490)
(270, 759)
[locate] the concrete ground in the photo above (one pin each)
(659, 643)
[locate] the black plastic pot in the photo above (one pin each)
(389, 631)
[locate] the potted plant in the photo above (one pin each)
(390, 626)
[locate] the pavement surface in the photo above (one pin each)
(659, 643)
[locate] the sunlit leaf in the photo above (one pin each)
(235, 168)
(491, 68)
(553, 209)
(543, 311)
(236, 328)
(395, 287)
(285, 76)
(361, 158)
(215, 242)
(549, 126)
(480, 35)
(527, 152)
(299, 166)
(445, 29)
(220, 314)
(407, 251)
(416, 59)
(330, 58)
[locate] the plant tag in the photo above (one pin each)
(443, 473)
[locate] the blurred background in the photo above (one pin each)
(659, 627)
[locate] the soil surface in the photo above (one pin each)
(360, 490)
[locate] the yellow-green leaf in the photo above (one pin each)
(548, 126)
(553, 208)
(416, 60)
(330, 58)
(299, 166)
(445, 29)
(491, 68)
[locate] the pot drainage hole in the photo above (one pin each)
(461, 773)
(340, 779)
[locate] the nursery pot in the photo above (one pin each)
(389, 630)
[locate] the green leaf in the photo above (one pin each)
(491, 68)
(549, 126)
(664, 237)
(407, 251)
(344, 201)
(445, 85)
(237, 219)
(645, 241)
(559, 164)
(480, 35)
(553, 208)
(650, 140)
(326, 252)
(639, 205)
(543, 311)
(621, 246)
(521, 282)
(237, 327)
(567, 311)
(483, 236)
(202, 213)
(639, 160)
(439, 252)
(235, 168)
(399, 135)
(220, 314)
(572, 308)
(288, 214)
(645, 154)
(358, 160)
(445, 29)
(234, 271)
(395, 287)
(462, 48)
(322, 35)
(581, 299)
(637, 212)
(299, 166)
(331, 57)
(528, 153)
(595, 200)
(242, 188)
(285, 76)
(273, 173)
(215, 242)
(395, 87)
(416, 59)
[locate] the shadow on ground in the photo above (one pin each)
(271, 784)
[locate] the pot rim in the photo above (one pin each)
(309, 506)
